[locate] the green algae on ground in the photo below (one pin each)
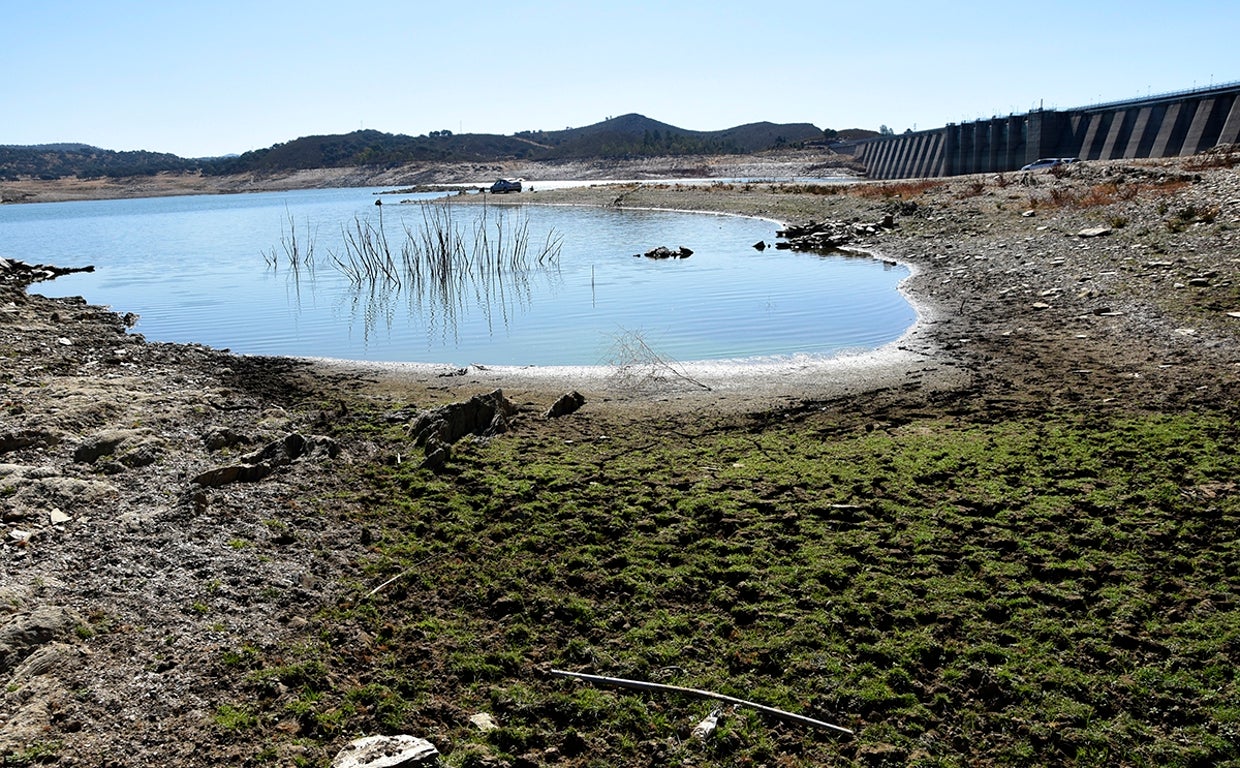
(1043, 591)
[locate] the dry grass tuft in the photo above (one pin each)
(901, 190)
(1102, 195)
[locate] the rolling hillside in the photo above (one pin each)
(626, 136)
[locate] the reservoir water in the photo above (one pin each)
(216, 270)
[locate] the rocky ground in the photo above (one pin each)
(165, 504)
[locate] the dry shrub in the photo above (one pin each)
(973, 189)
(811, 189)
(901, 190)
(1190, 215)
(1062, 197)
(1168, 188)
(1099, 195)
(1227, 156)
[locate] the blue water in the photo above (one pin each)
(196, 269)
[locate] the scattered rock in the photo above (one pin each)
(130, 447)
(26, 438)
(438, 428)
(663, 252)
(386, 752)
(1094, 232)
(484, 722)
(223, 437)
(23, 633)
(41, 487)
(263, 462)
(54, 656)
(570, 402)
(828, 236)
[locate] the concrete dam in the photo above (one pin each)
(1167, 125)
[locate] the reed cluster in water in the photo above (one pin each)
(441, 255)
(438, 264)
(442, 266)
(297, 253)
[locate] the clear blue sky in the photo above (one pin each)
(206, 78)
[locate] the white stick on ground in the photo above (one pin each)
(645, 686)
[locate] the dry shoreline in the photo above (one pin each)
(791, 163)
(669, 385)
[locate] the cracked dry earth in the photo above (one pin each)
(136, 545)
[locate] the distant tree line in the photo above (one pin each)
(650, 143)
(629, 136)
(54, 162)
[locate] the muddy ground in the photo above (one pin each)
(165, 503)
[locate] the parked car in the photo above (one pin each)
(506, 185)
(1046, 162)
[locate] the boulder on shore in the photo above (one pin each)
(386, 752)
(438, 428)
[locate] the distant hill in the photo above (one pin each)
(371, 148)
(626, 136)
(856, 134)
(53, 161)
(635, 135)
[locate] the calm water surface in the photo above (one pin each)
(196, 269)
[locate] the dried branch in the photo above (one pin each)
(401, 575)
(631, 356)
(645, 686)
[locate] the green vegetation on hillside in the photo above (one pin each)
(84, 162)
(626, 136)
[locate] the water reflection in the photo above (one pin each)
(439, 271)
(444, 307)
(257, 273)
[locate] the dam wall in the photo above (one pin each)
(1167, 125)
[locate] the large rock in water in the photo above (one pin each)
(386, 752)
(663, 252)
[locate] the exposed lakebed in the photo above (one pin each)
(218, 270)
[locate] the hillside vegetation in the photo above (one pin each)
(55, 161)
(626, 136)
